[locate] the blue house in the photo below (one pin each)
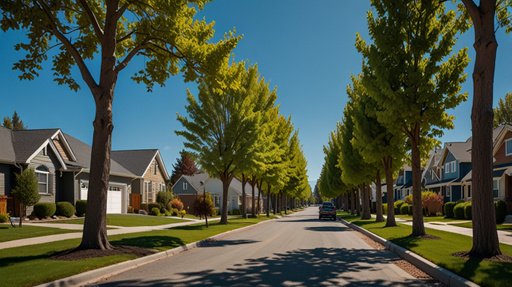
(403, 183)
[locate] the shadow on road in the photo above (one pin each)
(302, 267)
(326, 228)
(220, 243)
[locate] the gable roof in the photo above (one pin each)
(460, 150)
(7, 154)
(499, 136)
(138, 161)
(195, 180)
(26, 143)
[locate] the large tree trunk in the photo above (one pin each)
(285, 204)
(358, 202)
(485, 238)
(260, 190)
(378, 205)
(365, 214)
(353, 204)
(253, 207)
(388, 170)
(244, 207)
(226, 181)
(95, 224)
(418, 228)
(269, 198)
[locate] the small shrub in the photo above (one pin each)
(155, 211)
(4, 218)
(130, 209)
(81, 207)
(458, 210)
(183, 213)
(44, 209)
(432, 203)
(167, 212)
(397, 205)
(460, 201)
(174, 211)
(448, 209)
(237, 212)
(143, 212)
(176, 203)
(467, 210)
(385, 208)
(404, 208)
(410, 210)
(408, 199)
(163, 198)
(500, 207)
(153, 205)
(64, 208)
(144, 206)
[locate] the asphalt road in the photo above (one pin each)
(297, 250)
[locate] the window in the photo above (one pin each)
(449, 192)
(454, 166)
(508, 147)
(155, 168)
(45, 150)
(469, 191)
(42, 179)
(496, 187)
(185, 185)
(447, 168)
(162, 187)
(114, 188)
(145, 192)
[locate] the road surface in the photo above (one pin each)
(297, 250)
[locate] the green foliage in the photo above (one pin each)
(448, 209)
(4, 218)
(330, 181)
(64, 208)
(174, 211)
(163, 198)
(404, 209)
(26, 190)
(458, 210)
(176, 203)
(385, 208)
(182, 213)
(44, 209)
(144, 206)
(184, 165)
(503, 112)
(468, 210)
(155, 211)
(398, 204)
(152, 205)
(81, 207)
(14, 123)
(204, 207)
(500, 208)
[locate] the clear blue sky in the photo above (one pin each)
(305, 48)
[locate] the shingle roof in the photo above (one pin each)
(26, 142)
(136, 161)
(195, 180)
(82, 152)
(7, 154)
(460, 150)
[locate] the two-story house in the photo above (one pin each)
(403, 183)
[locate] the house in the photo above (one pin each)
(149, 169)
(446, 170)
(188, 187)
(403, 183)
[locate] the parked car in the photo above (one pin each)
(327, 210)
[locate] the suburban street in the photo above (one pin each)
(297, 250)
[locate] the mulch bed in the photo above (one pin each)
(498, 258)
(77, 254)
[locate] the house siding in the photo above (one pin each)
(66, 188)
(500, 156)
(5, 179)
(451, 174)
(178, 187)
(51, 163)
(155, 177)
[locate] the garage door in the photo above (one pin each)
(114, 197)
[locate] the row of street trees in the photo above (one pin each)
(398, 106)
(234, 129)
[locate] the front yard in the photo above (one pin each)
(8, 233)
(32, 265)
(503, 227)
(127, 220)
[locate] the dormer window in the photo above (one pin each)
(185, 186)
(508, 147)
(447, 167)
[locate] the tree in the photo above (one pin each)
(415, 76)
(14, 123)
(184, 165)
(203, 205)
(377, 144)
(26, 190)
(164, 32)
(221, 125)
(503, 112)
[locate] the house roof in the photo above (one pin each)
(82, 152)
(138, 161)
(7, 154)
(236, 184)
(28, 142)
(460, 150)
(195, 180)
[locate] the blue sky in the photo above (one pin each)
(304, 48)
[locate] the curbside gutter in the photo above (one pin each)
(96, 275)
(445, 276)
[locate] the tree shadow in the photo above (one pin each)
(301, 267)
(220, 243)
(7, 261)
(150, 241)
(299, 220)
(326, 228)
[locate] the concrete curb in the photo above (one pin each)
(96, 275)
(445, 276)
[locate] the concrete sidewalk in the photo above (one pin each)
(75, 235)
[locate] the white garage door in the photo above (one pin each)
(114, 197)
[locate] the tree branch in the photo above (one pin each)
(86, 74)
(130, 56)
(119, 13)
(92, 19)
(125, 37)
(473, 9)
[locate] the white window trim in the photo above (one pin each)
(185, 185)
(47, 181)
(507, 152)
(454, 166)
(447, 167)
(497, 181)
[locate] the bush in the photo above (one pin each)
(410, 209)
(183, 213)
(176, 203)
(44, 209)
(408, 199)
(404, 208)
(385, 208)
(460, 201)
(235, 212)
(153, 205)
(448, 209)
(174, 212)
(81, 207)
(467, 210)
(144, 206)
(4, 218)
(64, 208)
(500, 207)
(155, 211)
(167, 213)
(163, 198)
(204, 206)
(397, 205)
(432, 203)
(143, 212)
(458, 210)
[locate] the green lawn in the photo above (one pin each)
(347, 216)
(8, 233)
(127, 220)
(504, 227)
(428, 218)
(439, 251)
(29, 265)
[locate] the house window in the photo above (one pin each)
(155, 168)
(42, 179)
(454, 166)
(114, 188)
(162, 187)
(447, 168)
(508, 147)
(185, 185)
(145, 193)
(45, 150)
(469, 191)
(216, 199)
(496, 187)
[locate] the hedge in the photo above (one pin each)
(404, 208)
(64, 208)
(500, 207)
(155, 211)
(458, 210)
(448, 209)
(397, 206)
(4, 218)
(81, 207)
(468, 214)
(44, 209)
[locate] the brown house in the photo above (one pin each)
(150, 170)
